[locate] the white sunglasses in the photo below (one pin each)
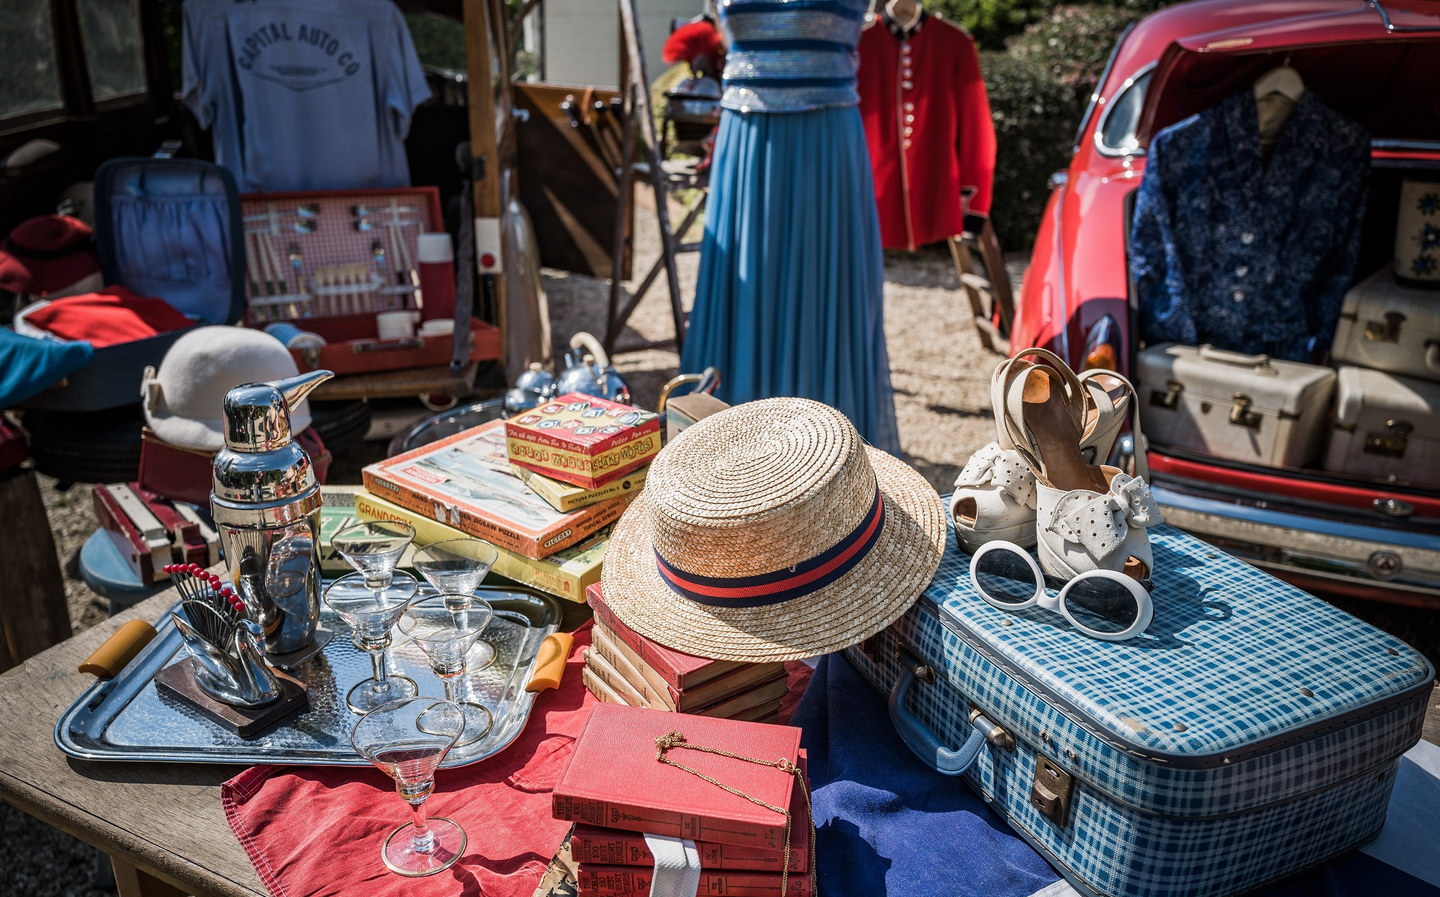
(1101, 604)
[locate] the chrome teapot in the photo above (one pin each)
(590, 372)
(587, 371)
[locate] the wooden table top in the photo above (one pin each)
(162, 818)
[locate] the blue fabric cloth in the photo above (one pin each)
(28, 365)
(887, 824)
(790, 55)
(790, 294)
(1245, 254)
(303, 94)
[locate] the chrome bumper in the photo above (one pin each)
(1350, 553)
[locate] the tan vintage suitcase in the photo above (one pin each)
(1228, 405)
(1391, 327)
(1386, 427)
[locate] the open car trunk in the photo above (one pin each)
(1363, 463)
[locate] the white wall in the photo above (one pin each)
(580, 39)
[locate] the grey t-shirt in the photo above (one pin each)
(303, 94)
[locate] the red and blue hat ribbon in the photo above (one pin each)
(764, 589)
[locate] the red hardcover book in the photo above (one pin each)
(615, 781)
(659, 693)
(680, 670)
(634, 881)
(614, 847)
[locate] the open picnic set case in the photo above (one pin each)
(353, 281)
(332, 262)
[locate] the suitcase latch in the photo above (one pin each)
(1240, 413)
(1392, 444)
(990, 730)
(1169, 397)
(1386, 332)
(1050, 791)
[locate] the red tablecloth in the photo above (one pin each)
(318, 830)
(314, 831)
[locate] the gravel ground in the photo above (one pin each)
(940, 373)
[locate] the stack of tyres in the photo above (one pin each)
(1252, 731)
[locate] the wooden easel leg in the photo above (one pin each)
(640, 85)
(133, 882)
(614, 318)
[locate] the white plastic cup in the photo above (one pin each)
(396, 324)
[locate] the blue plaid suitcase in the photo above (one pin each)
(1254, 730)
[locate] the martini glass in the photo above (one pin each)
(407, 739)
(446, 636)
(455, 568)
(370, 612)
(373, 548)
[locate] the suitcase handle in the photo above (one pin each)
(922, 742)
(1224, 356)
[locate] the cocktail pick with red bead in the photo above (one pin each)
(196, 584)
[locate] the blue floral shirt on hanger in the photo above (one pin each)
(1246, 254)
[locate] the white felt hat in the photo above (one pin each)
(183, 399)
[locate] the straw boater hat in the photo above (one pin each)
(771, 531)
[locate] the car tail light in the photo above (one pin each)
(1102, 346)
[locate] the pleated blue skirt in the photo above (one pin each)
(790, 295)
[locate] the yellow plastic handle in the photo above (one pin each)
(119, 649)
(550, 661)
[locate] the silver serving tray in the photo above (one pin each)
(127, 719)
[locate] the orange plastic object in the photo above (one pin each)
(119, 649)
(550, 666)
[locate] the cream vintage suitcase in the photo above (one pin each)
(1228, 405)
(1386, 427)
(1391, 327)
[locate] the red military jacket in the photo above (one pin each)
(927, 120)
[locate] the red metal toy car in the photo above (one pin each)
(1374, 62)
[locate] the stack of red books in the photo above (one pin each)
(624, 667)
(617, 792)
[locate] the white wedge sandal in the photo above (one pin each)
(1088, 517)
(994, 498)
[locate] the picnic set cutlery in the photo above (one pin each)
(312, 259)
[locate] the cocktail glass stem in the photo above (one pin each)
(422, 840)
(381, 664)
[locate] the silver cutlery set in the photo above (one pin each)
(312, 261)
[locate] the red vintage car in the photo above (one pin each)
(1375, 62)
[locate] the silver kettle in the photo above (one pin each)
(589, 372)
(531, 389)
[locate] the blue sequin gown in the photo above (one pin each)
(789, 300)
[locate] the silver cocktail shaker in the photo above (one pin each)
(266, 505)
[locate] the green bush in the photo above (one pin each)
(990, 22)
(1035, 118)
(1073, 43)
(993, 22)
